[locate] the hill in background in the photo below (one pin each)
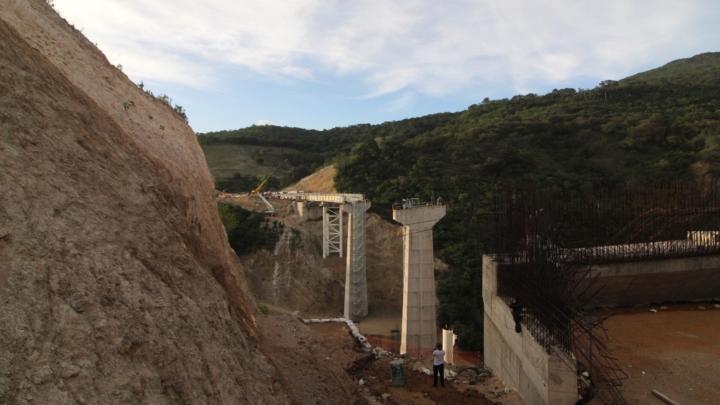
(702, 70)
(659, 126)
(225, 160)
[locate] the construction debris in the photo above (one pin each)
(664, 398)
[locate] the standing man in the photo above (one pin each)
(439, 365)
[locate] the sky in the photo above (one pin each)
(320, 64)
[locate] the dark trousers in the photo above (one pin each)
(441, 371)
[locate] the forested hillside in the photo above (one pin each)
(651, 127)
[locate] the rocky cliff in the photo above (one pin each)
(117, 284)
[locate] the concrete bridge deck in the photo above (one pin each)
(337, 198)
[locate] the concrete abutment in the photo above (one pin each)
(540, 377)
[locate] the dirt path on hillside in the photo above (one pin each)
(675, 351)
(307, 372)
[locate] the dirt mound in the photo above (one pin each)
(117, 283)
(322, 181)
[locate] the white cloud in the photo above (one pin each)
(422, 46)
(402, 102)
(264, 122)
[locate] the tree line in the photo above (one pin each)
(649, 128)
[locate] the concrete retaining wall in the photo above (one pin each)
(637, 283)
(517, 359)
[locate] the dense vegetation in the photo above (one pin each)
(651, 127)
(249, 231)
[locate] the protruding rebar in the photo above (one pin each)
(547, 242)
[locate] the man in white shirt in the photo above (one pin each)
(439, 365)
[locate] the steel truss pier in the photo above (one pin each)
(332, 230)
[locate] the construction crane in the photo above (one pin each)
(258, 190)
(262, 184)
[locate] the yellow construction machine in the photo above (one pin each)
(262, 184)
(258, 192)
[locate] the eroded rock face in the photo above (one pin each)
(296, 277)
(117, 284)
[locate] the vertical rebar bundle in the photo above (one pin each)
(547, 242)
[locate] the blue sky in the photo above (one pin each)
(321, 64)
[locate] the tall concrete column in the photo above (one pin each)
(419, 325)
(356, 306)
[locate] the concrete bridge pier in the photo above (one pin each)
(307, 210)
(419, 324)
(356, 304)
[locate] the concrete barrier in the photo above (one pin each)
(638, 283)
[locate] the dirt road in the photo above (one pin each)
(675, 351)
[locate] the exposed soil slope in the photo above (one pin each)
(306, 369)
(117, 283)
(296, 277)
(322, 181)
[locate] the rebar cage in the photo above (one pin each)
(546, 242)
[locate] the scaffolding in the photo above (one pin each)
(356, 284)
(332, 230)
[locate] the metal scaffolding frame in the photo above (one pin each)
(332, 230)
(356, 271)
